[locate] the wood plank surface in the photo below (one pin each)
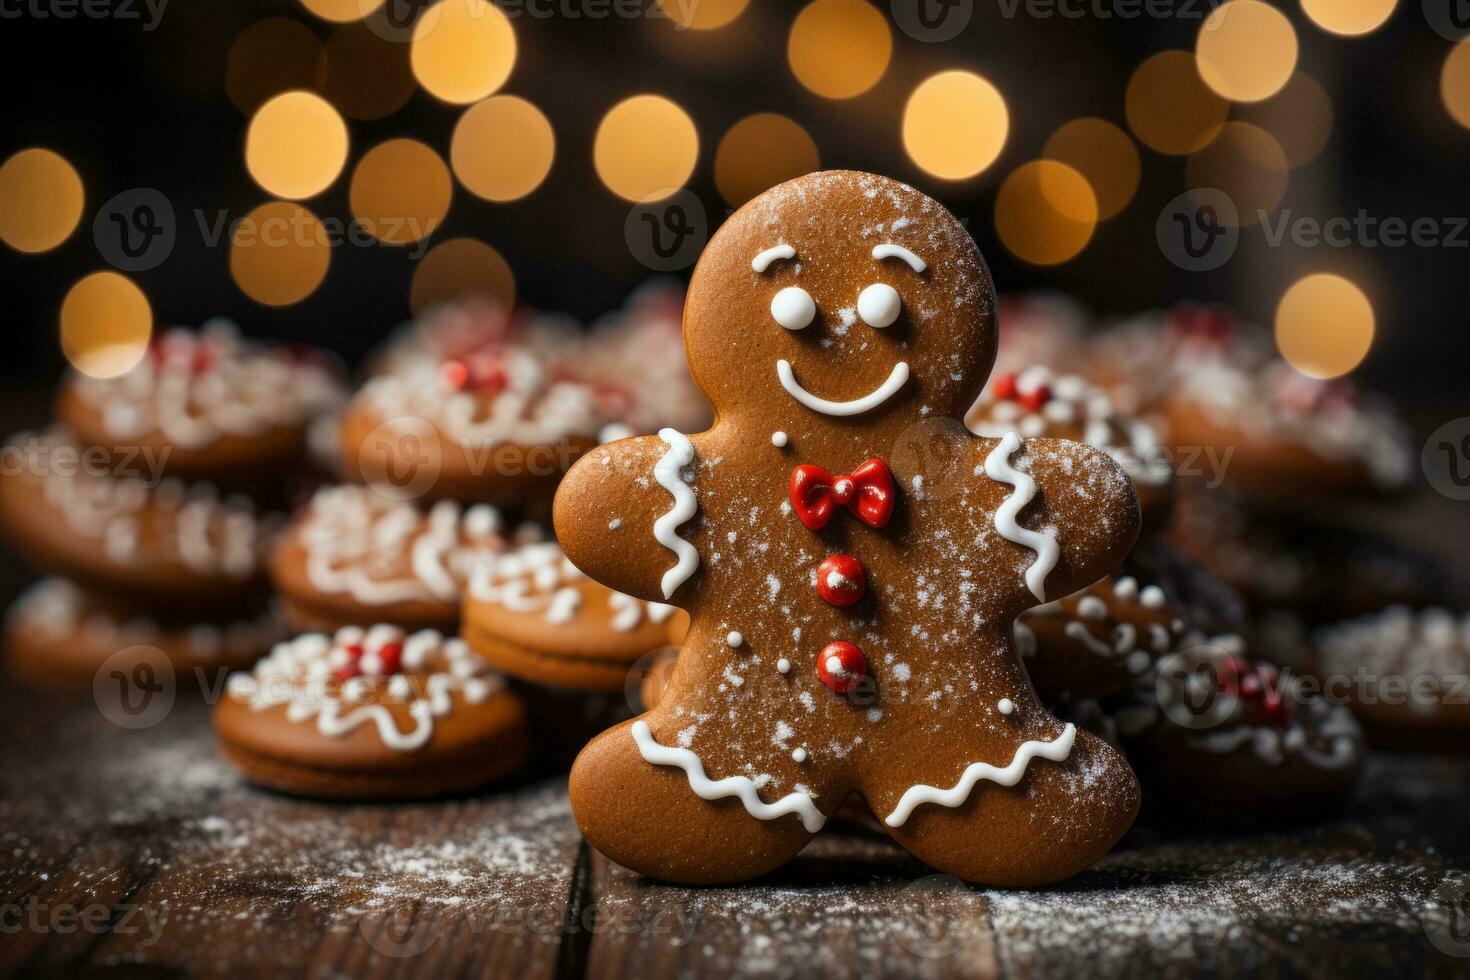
(143, 850)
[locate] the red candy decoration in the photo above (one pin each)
(1035, 398)
(353, 666)
(1004, 387)
(480, 371)
(841, 580)
(1258, 687)
(867, 492)
(840, 666)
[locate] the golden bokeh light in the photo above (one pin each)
(367, 75)
(502, 148)
(839, 48)
(1045, 212)
(760, 151)
(1349, 17)
(342, 11)
(703, 15)
(106, 323)
(1169, 107)
(41, 200)
(269, 57)
(955, 124)
(400, 191)
(1246, 50)
(296, 145)
(1324, 325)
(1454, 83)
(1247, 164)
(645, 148)
(461, 268)
(463, 50)
(1299, 117)
(1103, 154)
(279, 253)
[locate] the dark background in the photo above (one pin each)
(131, 108)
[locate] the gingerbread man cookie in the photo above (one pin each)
(850, 612)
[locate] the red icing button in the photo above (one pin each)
(841, 580)
(1004, 387)
(840, 666)
(1035, 398)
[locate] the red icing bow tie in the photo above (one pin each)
(867, 491)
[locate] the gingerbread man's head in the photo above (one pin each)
(841, 296)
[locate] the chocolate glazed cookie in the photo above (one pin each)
(851, 598)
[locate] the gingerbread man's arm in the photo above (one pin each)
(1071, 493)
(619, 513)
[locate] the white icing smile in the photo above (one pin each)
(896, 380)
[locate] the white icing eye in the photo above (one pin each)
(879, 305)
(793, 308)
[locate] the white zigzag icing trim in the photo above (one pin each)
(739, 786)
(1056, 750)
(666, 472)
(998, 467)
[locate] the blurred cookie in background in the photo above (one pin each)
(1406, 675)
(210, 406)
(1098, 641)
(58, 635)
(166, 544)
(1221, 742)
(534, 616)
(353, 558)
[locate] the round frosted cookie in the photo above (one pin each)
(1406, 675)
(495, 426)
(371, 714)
(208, 406)
(1220, 741)
(171, 546)
(58, 635)
(1034, 402)
(354, 558)
(534, 616)
(1098, 641)
(1288, 436)
(1139, 358)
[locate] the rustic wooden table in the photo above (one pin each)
(142, 851)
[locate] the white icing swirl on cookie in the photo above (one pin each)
(298, 674)
(539, 577)
(381, 551)
(667, 471)
(1043, 543)
(239, 389)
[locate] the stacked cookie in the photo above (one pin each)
(451, 452)
(149, 503)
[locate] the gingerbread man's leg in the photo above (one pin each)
(654, 817)
(1060, 816)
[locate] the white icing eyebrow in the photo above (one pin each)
(763, 261)
(888, 250)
